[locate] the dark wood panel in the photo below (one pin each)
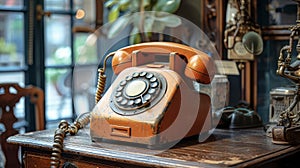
(213, 22)
(281, 32)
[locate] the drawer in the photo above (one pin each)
(39, 160)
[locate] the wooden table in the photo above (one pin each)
(224, 148)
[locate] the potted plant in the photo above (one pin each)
(144, 22)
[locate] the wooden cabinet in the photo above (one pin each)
(224, 148)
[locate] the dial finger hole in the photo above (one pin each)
(151, 91)
(130, 103)
(154, 85)
(135, 75)
(142, 74)
(124, 102)
(153, 79)
(147, 97)
(120, 88)
(119, 99)
(118, 94)
(138, 101)
(128, 78)
(149, 75)
(123, 83)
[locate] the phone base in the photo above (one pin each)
(181, 111)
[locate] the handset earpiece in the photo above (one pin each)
(200, 68)
(121, 60)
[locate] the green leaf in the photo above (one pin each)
(169, 6)
(146, 3)
(113, 13)
(135, 36)
(124, 5)
(110, 3)
(122, 2)
(169, 20)
(119, 25)
(134, 5)
(135, 39)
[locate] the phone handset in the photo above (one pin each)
(199, 66)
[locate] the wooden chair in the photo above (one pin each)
(10, 94)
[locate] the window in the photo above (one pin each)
(45, 50)
(12, 44)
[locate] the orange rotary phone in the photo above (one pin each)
(153, 101)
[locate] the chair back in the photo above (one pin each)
(10, 95)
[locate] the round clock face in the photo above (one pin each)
(240, 49)
(138, 92)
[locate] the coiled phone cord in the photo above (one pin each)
(100, 85)
(64, 127)
(102, 79)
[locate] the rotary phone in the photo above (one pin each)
(152, 101)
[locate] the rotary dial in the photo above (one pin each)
(138, 92)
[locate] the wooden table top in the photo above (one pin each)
(225, 147)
